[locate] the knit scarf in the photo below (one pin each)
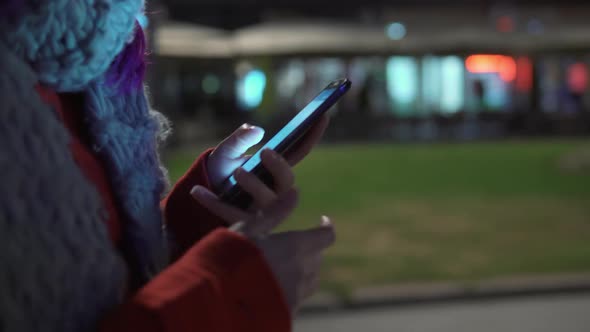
(69, 45)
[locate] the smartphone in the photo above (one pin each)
(284, 140)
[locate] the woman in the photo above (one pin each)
(82, 241)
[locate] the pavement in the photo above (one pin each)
(563, 312)
(415, 293)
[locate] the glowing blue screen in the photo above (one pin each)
(251, 163)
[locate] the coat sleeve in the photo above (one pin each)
(187, 221)
(220, 284)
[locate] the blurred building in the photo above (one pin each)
(420, 72)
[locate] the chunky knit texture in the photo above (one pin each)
(70, 42)
(124, 134)
(57, 263)
(59, 271)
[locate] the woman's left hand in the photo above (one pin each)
(229, 155)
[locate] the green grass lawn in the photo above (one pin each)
(461, 212)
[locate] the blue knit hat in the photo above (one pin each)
(69, 43)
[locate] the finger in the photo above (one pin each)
(275, 214)
(223, 210)
(312, 265)
(311, 275)
(237, 162)
(279, 169)
(260, 192)
(240, 141)
(311, 138)
(310, 241)
(311, 285)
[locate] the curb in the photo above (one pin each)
(424, 293)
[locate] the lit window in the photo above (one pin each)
(452, 96)
(250, 89)
(443, 83)
(431, 82)
(402, 83)
(577, 78)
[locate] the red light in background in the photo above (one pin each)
(524, 74)
(507, 68)
(577, 78)
(505, 24)
(481, 63)
(503, 65)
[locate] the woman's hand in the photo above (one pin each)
(294, 257)
(229, 155)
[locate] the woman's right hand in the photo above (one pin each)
(295, 256)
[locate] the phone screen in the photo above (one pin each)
(255, 160)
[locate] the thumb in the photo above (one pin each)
(240, 141)
(313, 240)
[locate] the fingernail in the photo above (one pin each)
(198, 191)
(247, 126)
(326, 222)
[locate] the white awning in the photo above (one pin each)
(286, 38)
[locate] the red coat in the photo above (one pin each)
(219, 280)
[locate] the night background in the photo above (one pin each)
(460, 158)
